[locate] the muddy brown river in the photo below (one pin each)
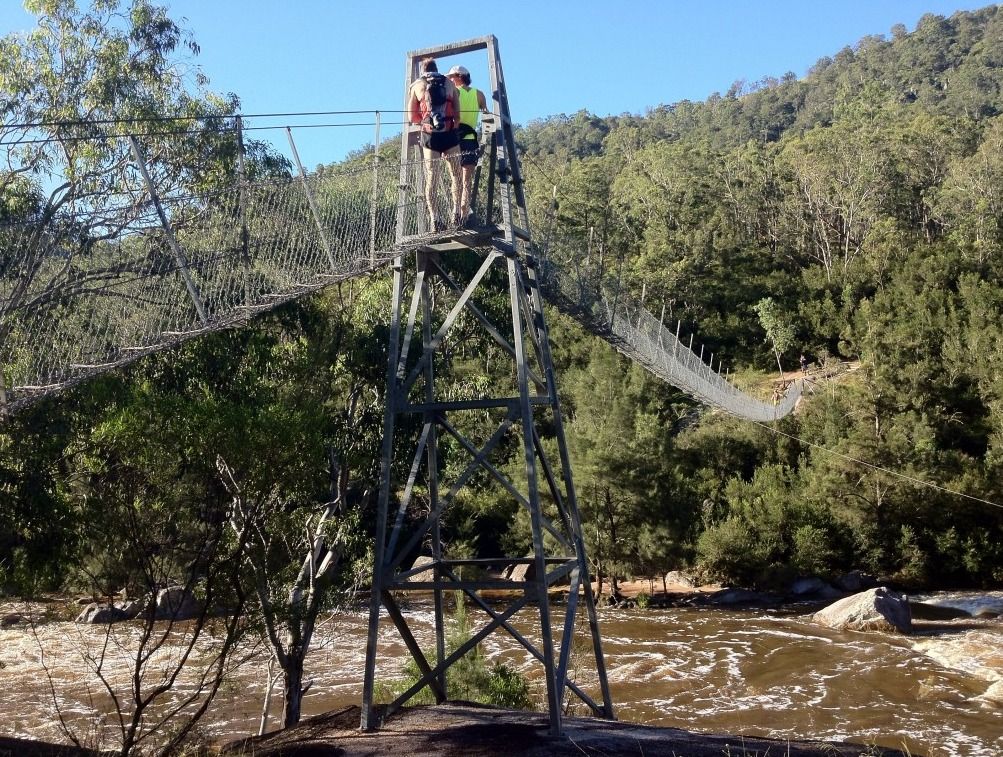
(710, 670)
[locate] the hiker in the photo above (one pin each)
(433, 102)
(804, 365)
(472, 104)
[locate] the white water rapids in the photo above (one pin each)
(709, 670)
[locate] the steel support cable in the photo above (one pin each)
(204, 117)
(872, 466)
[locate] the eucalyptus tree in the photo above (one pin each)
(74, 92)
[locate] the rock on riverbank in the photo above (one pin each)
(477, 731)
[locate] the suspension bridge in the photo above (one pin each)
(86, 290)
(165, 256)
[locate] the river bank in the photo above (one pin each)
(461, 729)
(455, 729)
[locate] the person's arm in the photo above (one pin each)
(481, 102)
(414, 106)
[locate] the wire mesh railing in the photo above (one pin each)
(85, 292)
(599, 304)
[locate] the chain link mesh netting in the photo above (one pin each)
(606, 311)
(85, 293)
(82, 294)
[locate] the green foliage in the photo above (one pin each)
(853, 215)
(779, 328)
(731, 551)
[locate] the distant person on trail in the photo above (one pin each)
(472, 104)
(433, 102)
(804, 365)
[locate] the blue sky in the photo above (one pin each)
(559, 56)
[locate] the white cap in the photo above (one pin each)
(458, 71)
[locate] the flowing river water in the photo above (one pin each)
(710, 670)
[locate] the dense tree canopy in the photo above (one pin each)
(861, 203)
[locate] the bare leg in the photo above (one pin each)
(431, 183)
(468, 185)
(452, 157)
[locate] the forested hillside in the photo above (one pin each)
(852, 215)
(864, 205)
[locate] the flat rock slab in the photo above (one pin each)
(467, 730)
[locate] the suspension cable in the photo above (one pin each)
(204, 117)
(872, 466)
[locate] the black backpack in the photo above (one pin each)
(439, 115)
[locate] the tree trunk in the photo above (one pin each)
(614, 550)
(292, 679)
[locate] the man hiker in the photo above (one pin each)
(433, 102)
(472, 104)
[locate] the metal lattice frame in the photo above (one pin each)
(545, 488)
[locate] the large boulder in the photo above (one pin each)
(877, 609)
(423, 561)
(176, 603)
(523, 571)
(812, 587)
(526, 571)
(12, 619)
(98, 613)
(729, 597)
(679, 578)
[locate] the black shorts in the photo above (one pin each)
(468, 152)
(440, 141)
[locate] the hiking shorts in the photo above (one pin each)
(439, 141)
(468, 152)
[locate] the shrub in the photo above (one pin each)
(470, 678)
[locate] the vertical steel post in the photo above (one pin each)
(241, 190)
(369, 720)
(245, 238)
(573, 511)
(432, 457)
(529, 451)
(376, 189)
